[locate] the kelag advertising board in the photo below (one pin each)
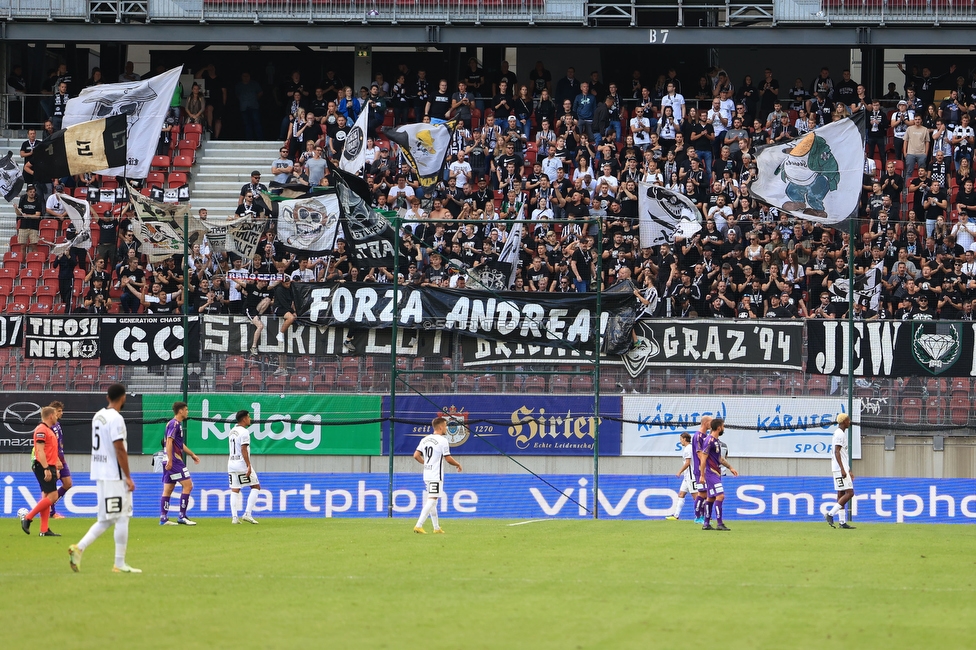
(541, 425)
(285, 424)
(524, 497)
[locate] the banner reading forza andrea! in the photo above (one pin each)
(755, 427)
(564, 320)
(290, 424)
(893, 348)
(148, 340)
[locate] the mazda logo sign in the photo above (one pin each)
(17, 417)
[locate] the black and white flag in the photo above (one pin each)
(145, 105)
(309, 226)
(424, 146)
(353, 157)
(368, 235)
(81, 148)
(11, 179)
(499, 275)
(179, 194)
(665, 214)
(867, 288)
(79, 213)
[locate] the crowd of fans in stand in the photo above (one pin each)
(570, 152)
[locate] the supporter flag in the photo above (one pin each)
(424, 146)
(665, 214)
(85, 147)
(369, 236)
(353, 157)
(499, 275)
(816, 177)
(11, 179)
(79, 213)
(145, 105)
(159, 226)
(309, 225)
(867, 288)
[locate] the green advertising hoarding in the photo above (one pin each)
(286, 424)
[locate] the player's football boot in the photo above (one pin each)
(48, 533)
(125, 568)
(57, 515)
(183, 521)
(74, 558)
(671, 518)
(249, 519)
(167, 522)
(438, 531)
(829, 518)
(235, 520)
(722, 527)
(25, 525)
(699, 520)
(707, 527)
(848, 526)
(419, 530)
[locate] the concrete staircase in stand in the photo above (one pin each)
(223, 167)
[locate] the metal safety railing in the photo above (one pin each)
(874, 12)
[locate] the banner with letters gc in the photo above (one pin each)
(757, 427)
(520, 496)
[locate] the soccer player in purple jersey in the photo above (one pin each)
(175, 470)
(711, 462)
(65, 474)
(698, 442)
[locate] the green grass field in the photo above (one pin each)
(345, 583)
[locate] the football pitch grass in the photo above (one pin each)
(357, 583)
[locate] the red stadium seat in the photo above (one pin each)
(582, 384)
(722, 386)
(959, 408)
(156, 179)
(534, 384)
(160, 163)
(488, 384)
(911, 410)
(347, 383)
(559, 384)
(176, 179)
(817, 385)
(677, 385)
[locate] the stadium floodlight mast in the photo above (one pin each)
(186, 305)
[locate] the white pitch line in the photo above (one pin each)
(531, 521)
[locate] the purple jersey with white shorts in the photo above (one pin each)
(175, 432)
(713, 466)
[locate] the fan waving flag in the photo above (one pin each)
(353, 157)
(86, 147)
(79, 213)
(815, 177)
(424, 146)
(309, 226)
(665, 214)
(11, 179)
(499, 275)
(368, 235)
(144, 103)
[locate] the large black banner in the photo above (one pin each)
(147, 340)
(11, 331)
(21, 412)
(234, 335)
(892, 348)
(665, 344)
(61, 337)
(557, 320)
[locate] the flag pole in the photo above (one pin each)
(395, 222)
(186, 306)
(850, 345)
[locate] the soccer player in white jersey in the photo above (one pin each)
(843, 478)
(687, 480)
(432, 452)
(239, 470)
(110, 471)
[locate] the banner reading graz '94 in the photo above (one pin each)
(892, 348)
(561, 320)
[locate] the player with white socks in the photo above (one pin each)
(110, 471)
(843, 478)
(432, 451)
(239, 470)
(687, 480)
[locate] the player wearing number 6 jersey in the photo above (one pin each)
(110, 471)
(843, 478)
(432, 452)
(239, 470)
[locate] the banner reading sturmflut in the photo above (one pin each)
(817, 176)
(562, 320)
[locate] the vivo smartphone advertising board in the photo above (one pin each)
(524, 497)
